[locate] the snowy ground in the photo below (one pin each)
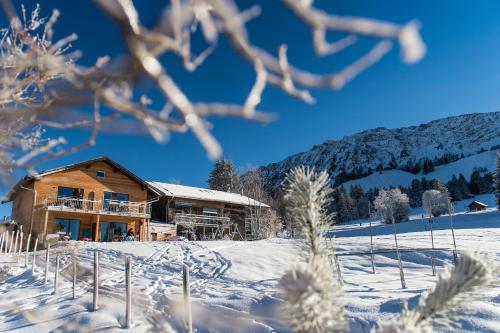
(233, 284)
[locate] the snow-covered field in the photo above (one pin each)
(233, 284)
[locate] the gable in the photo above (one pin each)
(88, 174)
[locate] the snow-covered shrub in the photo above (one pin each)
(392, 205)
(313, 298)
(436, 202)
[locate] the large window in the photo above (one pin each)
(112, 231)
(70, 227)
(116, 202)
(69, 192)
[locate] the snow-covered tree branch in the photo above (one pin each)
(42, 84)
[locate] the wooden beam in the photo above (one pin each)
(44, 237)
(97, 235)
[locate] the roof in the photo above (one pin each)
(478, 203)
(197, 193)
(29, 178)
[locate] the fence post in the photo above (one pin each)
(15, 242)
(450, 211)
(34, 256)
(21, 236)
(2, 239)
(47, 263)
(6, 242)
(96, 281)
(14, 235)
(188, 323)
(56, 276)
(401, 272)
(337, 266)
(74, 276)
(371, 245)
(27, 251)
(128, 286)
(433, 262)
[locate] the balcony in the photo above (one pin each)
(109, 207)
(201, 220)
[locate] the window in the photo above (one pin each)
(101, 174)
(116, 202)
(112, 231)
(69, 192)
(210, 211)
(69, 226)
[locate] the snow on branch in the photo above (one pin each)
(41, 80)
(313, 298)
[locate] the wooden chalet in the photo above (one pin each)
(97, 200)
(199, 213)
(476, 206)
(100, 200)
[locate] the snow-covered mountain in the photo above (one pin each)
(444, 173)
(357, 156)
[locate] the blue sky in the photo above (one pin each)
(460, 74)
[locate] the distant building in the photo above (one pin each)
(476, 206)
(200, 213)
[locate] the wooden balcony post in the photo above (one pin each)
(44, 235)
(97, 228)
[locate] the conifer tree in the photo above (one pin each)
(223, 177)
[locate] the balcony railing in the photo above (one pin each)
(108, 207)
(195, 219)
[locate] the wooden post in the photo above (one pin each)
(15, 242)
(14, 236)
(371, 245)
(2, 239)
(97, 228)
(95, 306)
(148, 236)
(337, 266)
(455, 253)
(128, 291)
(74, 276)
(34, 256)
(188, 322)
(6, 242)
(401, 273)
(47, 263)
(21, 236)
(44, 235)
(433, 262)
(27, 251)
(56, 275)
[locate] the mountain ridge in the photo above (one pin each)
(411, 148)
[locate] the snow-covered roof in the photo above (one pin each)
(198, 193)
(478, 203)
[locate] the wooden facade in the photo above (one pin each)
(203, 219)
(105, 200)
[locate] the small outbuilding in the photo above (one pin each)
(476, 206)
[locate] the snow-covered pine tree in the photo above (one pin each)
(313, 298)
(223, 177)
